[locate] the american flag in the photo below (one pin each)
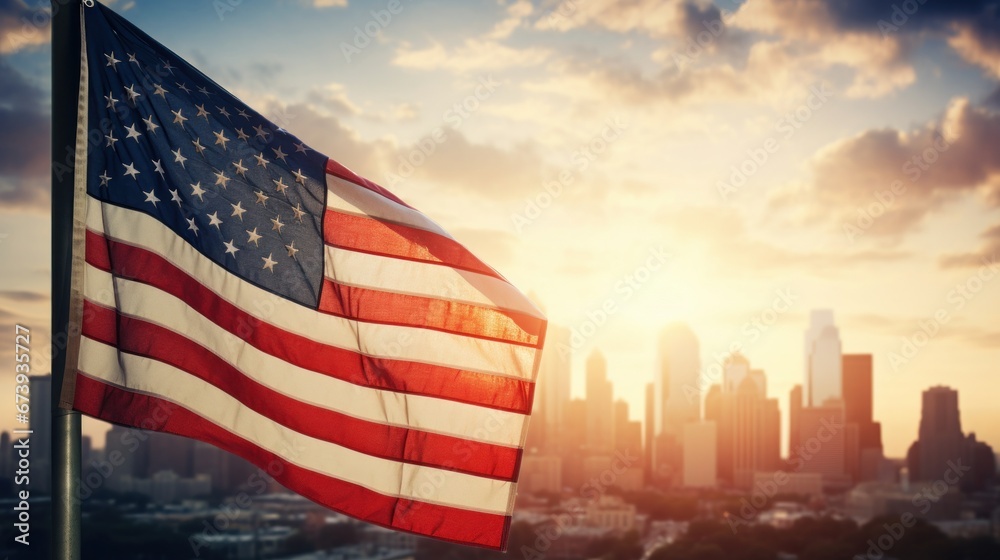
(233, 285)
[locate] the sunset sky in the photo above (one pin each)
(665, 160)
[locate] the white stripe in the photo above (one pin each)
(401, 276)
(375, 340)
(429, 414)
(390, 478)
(345, 196)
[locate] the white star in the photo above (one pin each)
(111, 100)
(183, 87)
(300, 147)
(150, 125)
(104, 178)
(192, 226)
(213, 219)
(238, 210)
(280, 185)
(276, 224)
(243, 114)
(151, 197)
(242, 135)
(178, 117)
(158, 167)
(112, 61)
(261, 162)
(240, 170)
(197, 145)
(179, 157)
(223, 111)
(221, 179)
(168, 67)
(131, 57)
(260, 131)
(196, 190)
(291, 249)
(202, 90)
(299, 177)
(268, 262)
(110, 137)
(220, 138)
(261, 198)
(130, 170)
(175, 197)
(132, 132)
(202, 112)
(231, 248)
(254, 237)
(132, 94)
(158, 90)
(298, 212)
(278, 153)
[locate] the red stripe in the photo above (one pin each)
(376, 306)
(337, 170)
(377, 237)
(494, 391)
(142, 338)
(453, 524)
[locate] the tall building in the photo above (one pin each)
(942, 444)
(749, 429)
(628, 434)
(864, 448)
(794, 415)
(676, 397)
(126, 449)
(647, 432)
(169, 452)
(600, 423)
(40, 391)
(576, 442)
(822, 442)
(552, 392)
(700, 452)
(823, 362)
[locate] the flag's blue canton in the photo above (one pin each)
(166, 140)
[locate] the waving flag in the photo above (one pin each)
(233, 285)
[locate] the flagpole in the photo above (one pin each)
(65, 423)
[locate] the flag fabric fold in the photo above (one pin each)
(240, 288)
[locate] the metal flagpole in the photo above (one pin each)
(65, 423)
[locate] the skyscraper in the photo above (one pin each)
(647, 433)
(822, 442)
(600, 421)
(552, 392)
(823, 361)
(941, 439)
(794, 415)
(628, 434)
(864, 450)
(676, 398)
(753, 422)
(700, 454)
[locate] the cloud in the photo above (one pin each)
(24, 143)
(516, 13)
(933, 164)
(988, 252)
(655, 18)
(978, 40)
(23, 27)
(334, 97)
(329, 3)
(23, 296)
(472, 55)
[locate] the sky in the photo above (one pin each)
(630, 163)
